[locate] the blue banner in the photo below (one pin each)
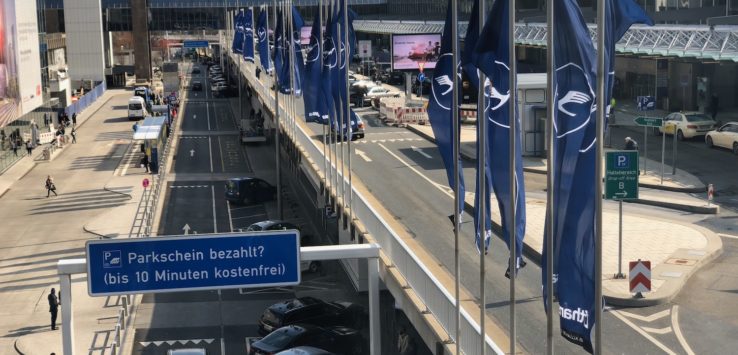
(470, 43)
(493, 60)
(619, 16)
(281, 55)
(439, 108)
(574, 172)
(237, 46)
(342, 42)
(248, 35)
(330, 64)
(313, 71)
(262, 33)
(298, 62)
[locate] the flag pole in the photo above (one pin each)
(348, 114)
(455, 151)
(512, 120)
(340, 126)
(550, 176)
(598, 171)
(276, 119)
(293, 86)
(482, 186)
(334, 135)
(326, 180)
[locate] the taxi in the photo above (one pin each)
(687, 125)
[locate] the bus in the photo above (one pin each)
(136, 108)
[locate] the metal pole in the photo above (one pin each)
(645, 149)
(240, 98)
(512, 118)
(293, 83)
(326, 180)
(663, 152)
(348, 109)
(341, 118)
(674, 153)
(455, 150)
(620, 275)
(600, 119)
(334, 126)
(482, 187)
(375, 340)
(67, 316)
(277, 126)
(551, 93)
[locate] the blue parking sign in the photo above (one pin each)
(646, 103)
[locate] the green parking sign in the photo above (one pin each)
(621, 175)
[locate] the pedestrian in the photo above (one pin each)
(714, 102)
(29, 147)
(46, 119)
(74, 135)
(405, 345)
(145, 162)
(14, 147)
(74, 119)
(53, 308)
(630, 144)
(50, 187)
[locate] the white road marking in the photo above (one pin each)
(251, 216)
(641, 332)
(222, 163)
(192, 153)
(657, 330)
(443, 189)
(186, 229)
(194, 116)
(215, 219)
(678, 330)
(728, 236)
(230, 217)
(207, 109)
(210, 150)
(647, 319)
(420, 151)
(363, 155)
(127, 163)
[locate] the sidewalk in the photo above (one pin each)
(676, 250)
(38, 231)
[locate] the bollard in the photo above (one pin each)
(125, 306)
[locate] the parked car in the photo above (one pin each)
(278, 225)
(249, 190)
(339, 340)
(309, 310)
(378, 92)
(724, 137)
(189, 351)
(686, 125)
(363, 84)
(196, 86)
(226, 91)
(357, 129)
(305, 350)
(218, 85)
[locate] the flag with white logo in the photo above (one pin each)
(439, 107)
(237, 46)
(330, 62)
(312, 95)
(298, 62)
(492, 58)
(281, 57)
(619, 16)
(574, 155)
(248, 35)
(262, 33)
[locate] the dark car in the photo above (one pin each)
(196, 86)
(196, 71)
(356, 95)
(305, 350)
(271, 225)
(227, 91)
(339, 340)
(249, 190)
(357, 129)
(426, 85)
(309, 310)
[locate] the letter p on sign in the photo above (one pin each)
(622, 161)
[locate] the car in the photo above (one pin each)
(724, 137)
(378, 92)
(196, 86)
(195, 70)
(310, 310)
(357, 129)
(188, 351)
(227, 91)
(426, 86)
(305, 350)
(686, 125)
(278, 225)
(339, 340)
(363, 84)
(218, 86)
(249, 190)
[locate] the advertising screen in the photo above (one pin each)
(20, 65)
(410, 52)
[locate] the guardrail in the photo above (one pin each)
(439, 301)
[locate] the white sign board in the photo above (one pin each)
(365, 49)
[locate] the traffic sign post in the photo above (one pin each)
(184, 263)
(145, 183)
(639, 277)
(621, 182)
(710, 194)
(646, 122)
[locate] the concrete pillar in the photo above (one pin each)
(84, 31)
(141, 43)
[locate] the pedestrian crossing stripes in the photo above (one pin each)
(187, 186)
(172, 342)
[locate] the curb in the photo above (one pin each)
(673, 188)
(15, 346)
(714, 209)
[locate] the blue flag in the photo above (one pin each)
(574, 172)
(492, 58)
(439, 107)
(330, 64)
(281, 55)
(313, 71)
(248, 35)
(619, 16)
(339, 73)
(298, 62)
(470, 42)
(262, 34)
(237, 46)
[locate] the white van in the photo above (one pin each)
(136, 108)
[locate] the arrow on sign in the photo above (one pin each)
(186, 229)
(192, 152)
(363, 155)
(622, 194)
(640, 276)
(420, 151)
(649, 121)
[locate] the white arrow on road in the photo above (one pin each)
(192, 152)
(186, 229)
(194, 117)
(363, 155)
(420, 151)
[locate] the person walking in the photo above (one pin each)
(714, 102)
(14, 147)
(630, 144)
(53, 307)
(29, 147)
(145, 162)
(74, 135)
(50, 187)
(74, 119)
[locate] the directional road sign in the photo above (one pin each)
(421, 77)
(621, 175)
(640, 276)
(194, 262)
(649, 121)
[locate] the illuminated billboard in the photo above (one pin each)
(20, 65)
(413, 51)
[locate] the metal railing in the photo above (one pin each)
(438, 301)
